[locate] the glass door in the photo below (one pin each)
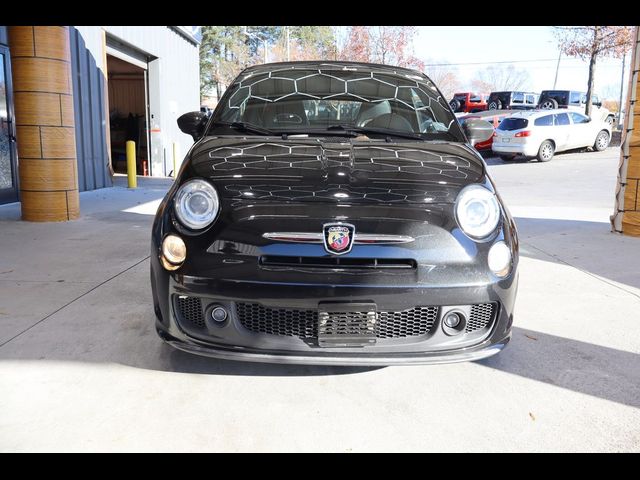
(8, 171)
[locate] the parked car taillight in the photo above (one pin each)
(526, 133)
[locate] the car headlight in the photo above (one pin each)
(196, 204)
(477, 211)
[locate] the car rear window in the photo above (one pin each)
(513, 124)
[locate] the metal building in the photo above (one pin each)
(71, 96)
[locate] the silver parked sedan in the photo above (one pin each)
(542, 133)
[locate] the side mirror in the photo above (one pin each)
(193, 124)
(477, 130)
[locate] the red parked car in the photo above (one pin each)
(494, 117)
(469, 102)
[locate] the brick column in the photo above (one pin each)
(43, 98)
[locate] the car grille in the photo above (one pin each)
(335, 262)
(278, 321)
(481, 315)
(304, 323)
(190, 312)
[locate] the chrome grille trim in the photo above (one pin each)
(316, 237)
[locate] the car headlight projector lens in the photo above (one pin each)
(477, 211)
(174, 252)
(196, 204)
(499, 259)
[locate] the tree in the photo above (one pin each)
(227, 50)
(590, 43)
(444, 76)
(357, 47)
(391, 45)
(305, 43)
(496, 78)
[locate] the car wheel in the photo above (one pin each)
(548, 103)
(495, 105)
(546, 151)
(455, 105)
(609, 120)
(602, 141)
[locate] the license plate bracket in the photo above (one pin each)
(346, 324)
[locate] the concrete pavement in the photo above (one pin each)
(81, 368)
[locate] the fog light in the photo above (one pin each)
(219, 314)
(499, 259)
(174, 252)
(452, 320)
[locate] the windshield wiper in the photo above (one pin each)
(248, 127)
(380, 131)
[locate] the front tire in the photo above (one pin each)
(455, 105)
(602, 141)
(546, 151)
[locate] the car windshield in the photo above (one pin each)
(335, 100)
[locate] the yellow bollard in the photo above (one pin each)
(131, 164)
(175, 157)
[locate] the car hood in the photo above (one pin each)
(337, 171)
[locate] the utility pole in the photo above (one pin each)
(555, 81)
(288, 47)
(624, 57)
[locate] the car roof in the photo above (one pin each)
(539, 113)
(266, 67)
(490, 113)
(561, 90)
(512, 91)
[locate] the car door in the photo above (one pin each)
(530, 100)
(561, 131)
(580, 131)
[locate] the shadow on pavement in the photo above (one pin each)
(588, 246)
(582, 367)
(594, 370)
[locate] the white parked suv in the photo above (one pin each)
(542, 133)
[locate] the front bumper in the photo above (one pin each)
(484, 350)
(235, 341)
(224, 267)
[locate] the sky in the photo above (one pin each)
(525, 46)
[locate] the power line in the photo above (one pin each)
(488, 63)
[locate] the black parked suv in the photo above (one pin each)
(574, 100)
(512, 100)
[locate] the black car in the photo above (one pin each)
(575, 100)
(512, 100)
(334, 213)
